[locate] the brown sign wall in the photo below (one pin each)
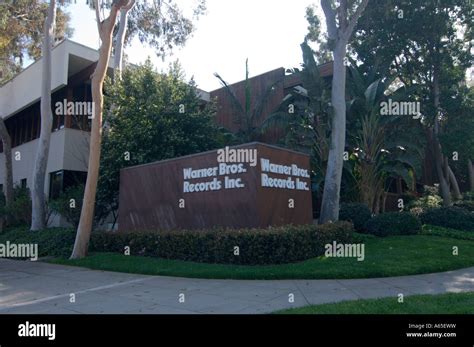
(153, 196)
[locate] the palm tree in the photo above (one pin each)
(248, 113)
(304, 116)
(383, 147)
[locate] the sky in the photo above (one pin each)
(267, 32)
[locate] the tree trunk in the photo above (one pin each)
(332, 182)
(87, 212)
(384, 200)
(7, 151)
(454, 184)
(120, 40)
(439, 163)
(470, 170)
(440, 160)
(338, 39)
(38, 208)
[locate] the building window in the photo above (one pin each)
(64, 179)
(55, 184)
(23, 183)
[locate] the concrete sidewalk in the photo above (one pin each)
(35, 287)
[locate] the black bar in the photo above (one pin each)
(311, 330)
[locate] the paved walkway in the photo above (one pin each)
(35, 287)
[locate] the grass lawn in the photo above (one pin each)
(458, 303)
(390, 256)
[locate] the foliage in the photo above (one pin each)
(304, 116)
(21, 28)
(384, 257)
(450, 217)
(358, 214)
(447, 232)
(53, 242)
(457, 136)
(62, 204)
(147, 125)
(430, 199)
(467, 202)
(276, 245)
(394, 38)
(162, 24)
(394, 223)
(248, 113)
(316, 35)
(383, 147)
(428, 54)
(19, 212)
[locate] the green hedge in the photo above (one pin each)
(449, 217)
(394, 223)
(358, 214)
(56, 242)
(275, 245)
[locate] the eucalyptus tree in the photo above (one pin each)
(158, 23)
(105, 29)
(38, 199)
(340, 22)
(20, 24)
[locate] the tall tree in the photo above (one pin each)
(340, 24)
(159, 23)
(322, 53)
(120, 40)
(21, 28)
(21, 23)
(427, 44)
(38, 199)
(105, 28)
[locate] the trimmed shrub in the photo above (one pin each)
(19, 212)
(276, 245)
(56, 242)
(394, 223)
(467, 205)
(449, 217)
(467, 202)
(358, 214)
(61, 205)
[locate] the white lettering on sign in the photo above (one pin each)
(231, 180)
(283, 183)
